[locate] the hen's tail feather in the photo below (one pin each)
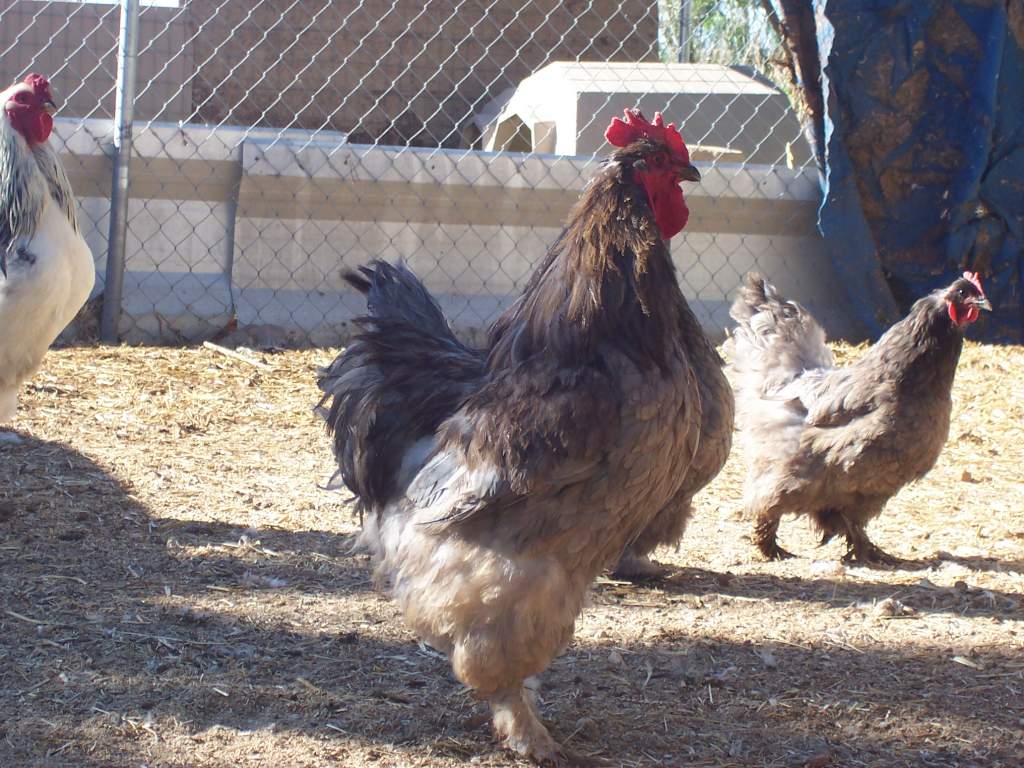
(403, 374)
(776, 340)
(775, 343)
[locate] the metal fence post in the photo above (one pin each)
(120, 176)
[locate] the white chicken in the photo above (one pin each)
(46, 268)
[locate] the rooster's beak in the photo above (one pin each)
(49, 106)
(689, 173)
(983, 303)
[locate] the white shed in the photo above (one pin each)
(727, 113)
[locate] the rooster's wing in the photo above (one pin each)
(525, 434)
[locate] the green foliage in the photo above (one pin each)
(721, 32)
(728, 32)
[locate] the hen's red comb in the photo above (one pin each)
(976, 281)
(623, 133)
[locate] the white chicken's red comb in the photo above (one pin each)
(975, 281)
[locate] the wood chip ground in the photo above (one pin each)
(177, 590)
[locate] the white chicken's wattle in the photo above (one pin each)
(46, 268)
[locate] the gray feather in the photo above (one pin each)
(57, 181)
(23, 190)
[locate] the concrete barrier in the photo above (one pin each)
(258, 225)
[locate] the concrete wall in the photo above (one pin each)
(225, 224)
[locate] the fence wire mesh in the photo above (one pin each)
(277, 144)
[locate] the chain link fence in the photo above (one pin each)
(275, 144)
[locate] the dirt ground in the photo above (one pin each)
(178, 591)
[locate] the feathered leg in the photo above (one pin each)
(860, 549)
(830, 523)
(765, 531)
(496, 662)
(666, 529)
(634, 567)
(501, 621)
(518, 725)
(850, 522)
(8, 407)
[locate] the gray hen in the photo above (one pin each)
(837, 443)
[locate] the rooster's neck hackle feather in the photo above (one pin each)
(23, 189)
(608, 279)
(57, 181)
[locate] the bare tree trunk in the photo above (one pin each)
(685, 30)
(799, 38)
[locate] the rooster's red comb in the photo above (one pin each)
(37, 83)
(976, 281)
(623, 133)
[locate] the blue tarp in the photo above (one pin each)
(925, 151)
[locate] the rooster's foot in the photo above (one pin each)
(639, 568)
(518, 725)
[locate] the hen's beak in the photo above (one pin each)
(689, 173)
(982, 303)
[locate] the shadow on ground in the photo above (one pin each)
(124, 637)
(923, 596)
